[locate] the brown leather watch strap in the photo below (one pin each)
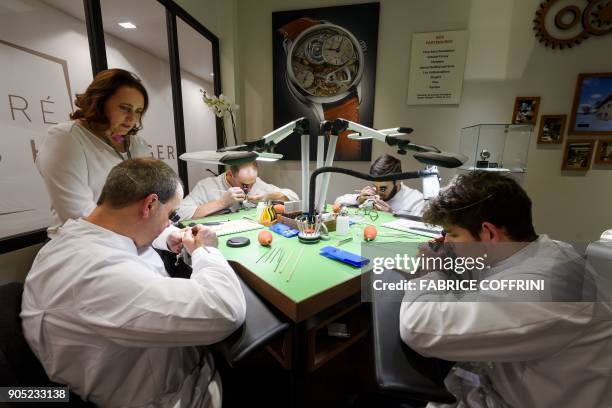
(295, 27)
(346, 149)
(349, 110)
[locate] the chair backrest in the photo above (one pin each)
(18, 365)
(400, 371)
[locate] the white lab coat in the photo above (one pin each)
(407, 201)
(212, 188)
(74, 163)
(105, 318)
(535, 354)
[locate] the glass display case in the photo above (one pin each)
(498, 147)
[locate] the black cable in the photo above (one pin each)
(363, 176)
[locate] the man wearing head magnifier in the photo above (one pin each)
(389, 196)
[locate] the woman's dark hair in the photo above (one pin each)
(482, 196)
(384, 165)
(105, 84)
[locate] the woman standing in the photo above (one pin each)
(76, 156)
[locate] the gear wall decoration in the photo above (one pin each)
(595, 17)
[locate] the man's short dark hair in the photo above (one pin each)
(483, 196)
(385, 164)
(132, 180)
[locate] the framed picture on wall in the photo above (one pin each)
(577, 156)
(592, 109)
(526, 109)
(552, 129)
(603, 151)
(324, 68)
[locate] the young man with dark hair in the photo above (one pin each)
(228, 190)
(524, 348)
(102, 315)
(390, 196)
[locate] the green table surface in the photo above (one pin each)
(313, 273)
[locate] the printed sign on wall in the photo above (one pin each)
(33, 99)
(437, 64)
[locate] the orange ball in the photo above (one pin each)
(337, 207)
(279, 208)
(264, 237)
(369, 233)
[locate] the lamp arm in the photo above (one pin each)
(360, 175)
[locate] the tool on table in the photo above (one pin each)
(295, 265)
(344, 241)
(344, 256)
(267, 258)
(279, 259)
(311, 228)
(286, 262)
(265, 253)
(238, 242)
(284, 230)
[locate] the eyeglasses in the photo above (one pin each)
(174, 217)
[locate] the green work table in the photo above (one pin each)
(302, 285)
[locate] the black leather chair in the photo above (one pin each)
(260, 326)
(401, 373)
(19, 367)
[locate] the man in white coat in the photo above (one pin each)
(390, 196)
(536, 347)
(229, 190)
(102, 315)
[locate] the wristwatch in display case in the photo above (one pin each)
(324, 70)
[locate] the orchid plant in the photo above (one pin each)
(221, 106)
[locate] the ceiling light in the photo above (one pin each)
(127, 25)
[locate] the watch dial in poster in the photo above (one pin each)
(325, 68)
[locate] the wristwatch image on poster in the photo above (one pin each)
(323, 70)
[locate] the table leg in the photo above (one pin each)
(298, 364)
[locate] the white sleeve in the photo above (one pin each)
(133, 307)
(161, 242)
(442, 326)
(201, 193)
(412, 204)
(62, 164)
(347, 199)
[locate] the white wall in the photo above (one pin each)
(504, 61)
(219, 17)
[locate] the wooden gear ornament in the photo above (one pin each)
(595, 17)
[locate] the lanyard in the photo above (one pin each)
(108, 142)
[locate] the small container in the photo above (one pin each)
(342, 223)
(261, 206)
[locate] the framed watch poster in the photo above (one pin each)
(324, 67)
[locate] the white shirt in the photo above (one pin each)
(105, 318)
(74, 163)
(407, 201)
(212, 188)
(535, 353)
